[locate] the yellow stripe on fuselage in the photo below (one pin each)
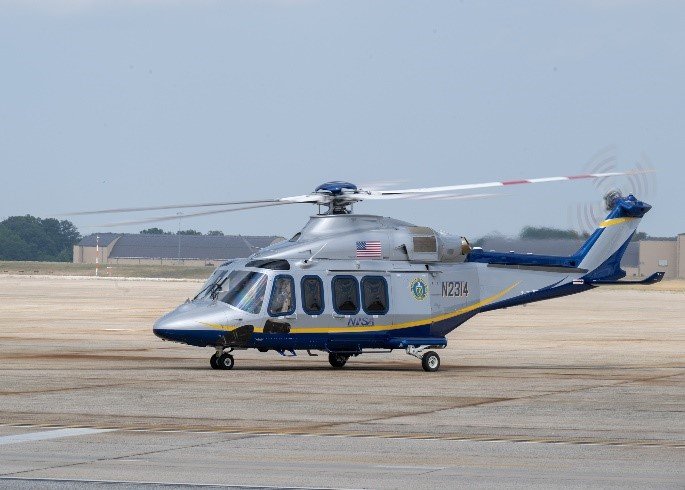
(377, 328)
(614, 221)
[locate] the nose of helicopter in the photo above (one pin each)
(191, 324)
(175, 319)
(167, 327)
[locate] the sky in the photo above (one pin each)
(151, 102)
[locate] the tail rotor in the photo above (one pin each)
(640, 181)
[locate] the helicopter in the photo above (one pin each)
(349, 284)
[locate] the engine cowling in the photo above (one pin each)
(452, 248)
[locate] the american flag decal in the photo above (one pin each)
(369, 250)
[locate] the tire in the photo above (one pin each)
(225, 361)
(337, 360)
(430, 361)
(213, 361)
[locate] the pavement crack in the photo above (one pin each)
(133, 455)
(72, 388)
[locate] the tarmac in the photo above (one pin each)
(582, 391)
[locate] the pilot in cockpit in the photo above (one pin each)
(282, 301)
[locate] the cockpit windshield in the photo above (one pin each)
(243, 290)
(209, 287)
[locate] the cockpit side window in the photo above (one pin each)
(282, 301)
(312, 295)
(345, 295)
(374, 295)
(243, 290)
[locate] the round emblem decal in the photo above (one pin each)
(419, 289)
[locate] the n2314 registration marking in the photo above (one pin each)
(455, 289)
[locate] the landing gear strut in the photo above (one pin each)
(221, 360)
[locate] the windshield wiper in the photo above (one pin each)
(216, 287)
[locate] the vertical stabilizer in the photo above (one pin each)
(601, 254)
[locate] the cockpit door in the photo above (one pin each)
(282, 300)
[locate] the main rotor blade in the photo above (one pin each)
(167, 206)
(462, 187)
(182, 216)
(419, 196)
(453, 197)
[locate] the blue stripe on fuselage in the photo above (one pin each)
(364, 340)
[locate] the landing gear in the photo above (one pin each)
(337, 360)
(213, 361)
(221, 360)
(430, 361)
(225, 361)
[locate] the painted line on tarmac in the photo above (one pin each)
(160, 483)
(51, 434)
(580, 441)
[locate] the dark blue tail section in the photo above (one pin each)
(600, 256)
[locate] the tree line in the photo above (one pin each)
(31, 238)
(51, 240)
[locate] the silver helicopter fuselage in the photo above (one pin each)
(347, 283)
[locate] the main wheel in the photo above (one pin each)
(430, 361)
(214, 361)
(225, 361)
(337, 360)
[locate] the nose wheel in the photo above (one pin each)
(337, 360)
(223, 360)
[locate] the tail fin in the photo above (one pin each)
(601, 254)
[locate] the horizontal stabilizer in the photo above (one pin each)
(653, 279)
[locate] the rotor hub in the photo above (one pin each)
(336, 187)
(611, 198)
(337, 190)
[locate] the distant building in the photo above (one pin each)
(129, 248)
(663, 254)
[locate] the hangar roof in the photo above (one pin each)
(201, 247)
(105, 239)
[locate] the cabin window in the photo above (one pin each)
(374, 295)
(312, 295)
(346, 295)
(282, 296)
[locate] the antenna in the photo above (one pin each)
(97, 254)
(180, 214)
